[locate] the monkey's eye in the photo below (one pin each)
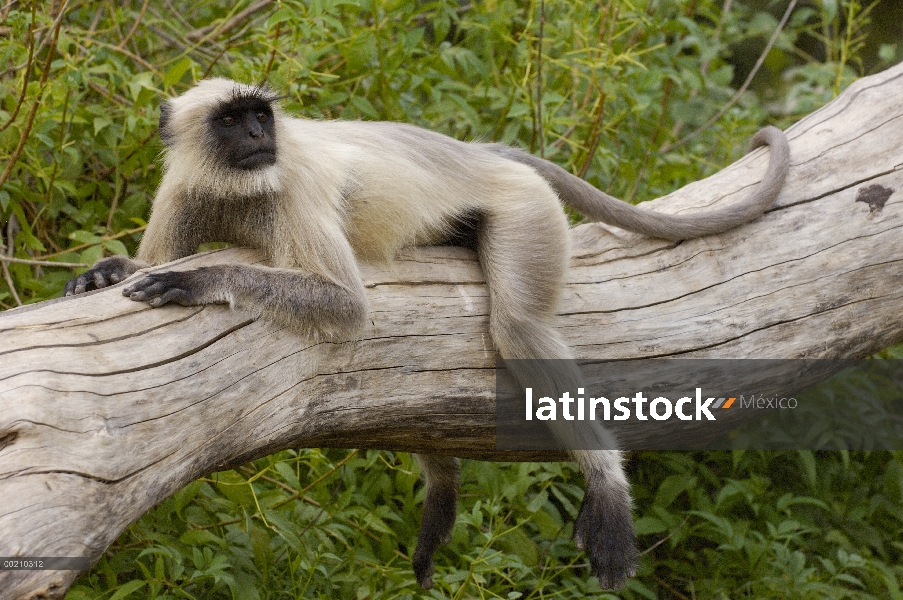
(262, 117)
(228, 121)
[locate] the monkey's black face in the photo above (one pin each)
(244, 133)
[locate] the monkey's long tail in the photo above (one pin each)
(599, 206)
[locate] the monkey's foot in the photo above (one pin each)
(604, 528)
(423, 555)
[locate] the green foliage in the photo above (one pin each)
(315, 524)
(623, 84)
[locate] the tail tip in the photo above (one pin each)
(767, 136)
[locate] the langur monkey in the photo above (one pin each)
(319, 196)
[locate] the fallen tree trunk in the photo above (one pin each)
(107, 406)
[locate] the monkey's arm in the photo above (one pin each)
(165, 240)
(314, 285)
(300, 300)
(106, 271)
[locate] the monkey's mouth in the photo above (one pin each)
(257, 160)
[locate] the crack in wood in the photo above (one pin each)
(839, 105)
(107, 340)
(735, 277)
(7, 439)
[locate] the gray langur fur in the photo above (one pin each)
(319, 196)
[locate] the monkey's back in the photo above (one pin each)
(403, 186)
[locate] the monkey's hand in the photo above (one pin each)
(106, 271)
(604, 528)
(181, 287)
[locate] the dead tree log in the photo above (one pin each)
(107, 406)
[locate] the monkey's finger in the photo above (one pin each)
(177, 295)
(145, 290)
(139, 286)
(99, 280)
(81, 284)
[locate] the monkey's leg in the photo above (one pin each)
(106, 271)
(303, 301)
(523, 248)
(442, 475)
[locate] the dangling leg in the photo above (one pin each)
(442, 475)
(523, 248)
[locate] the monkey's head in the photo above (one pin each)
(221, 139)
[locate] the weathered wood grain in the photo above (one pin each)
(107, 406)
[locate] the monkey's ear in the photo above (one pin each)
(164, 129)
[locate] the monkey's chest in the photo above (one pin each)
(242, 222)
